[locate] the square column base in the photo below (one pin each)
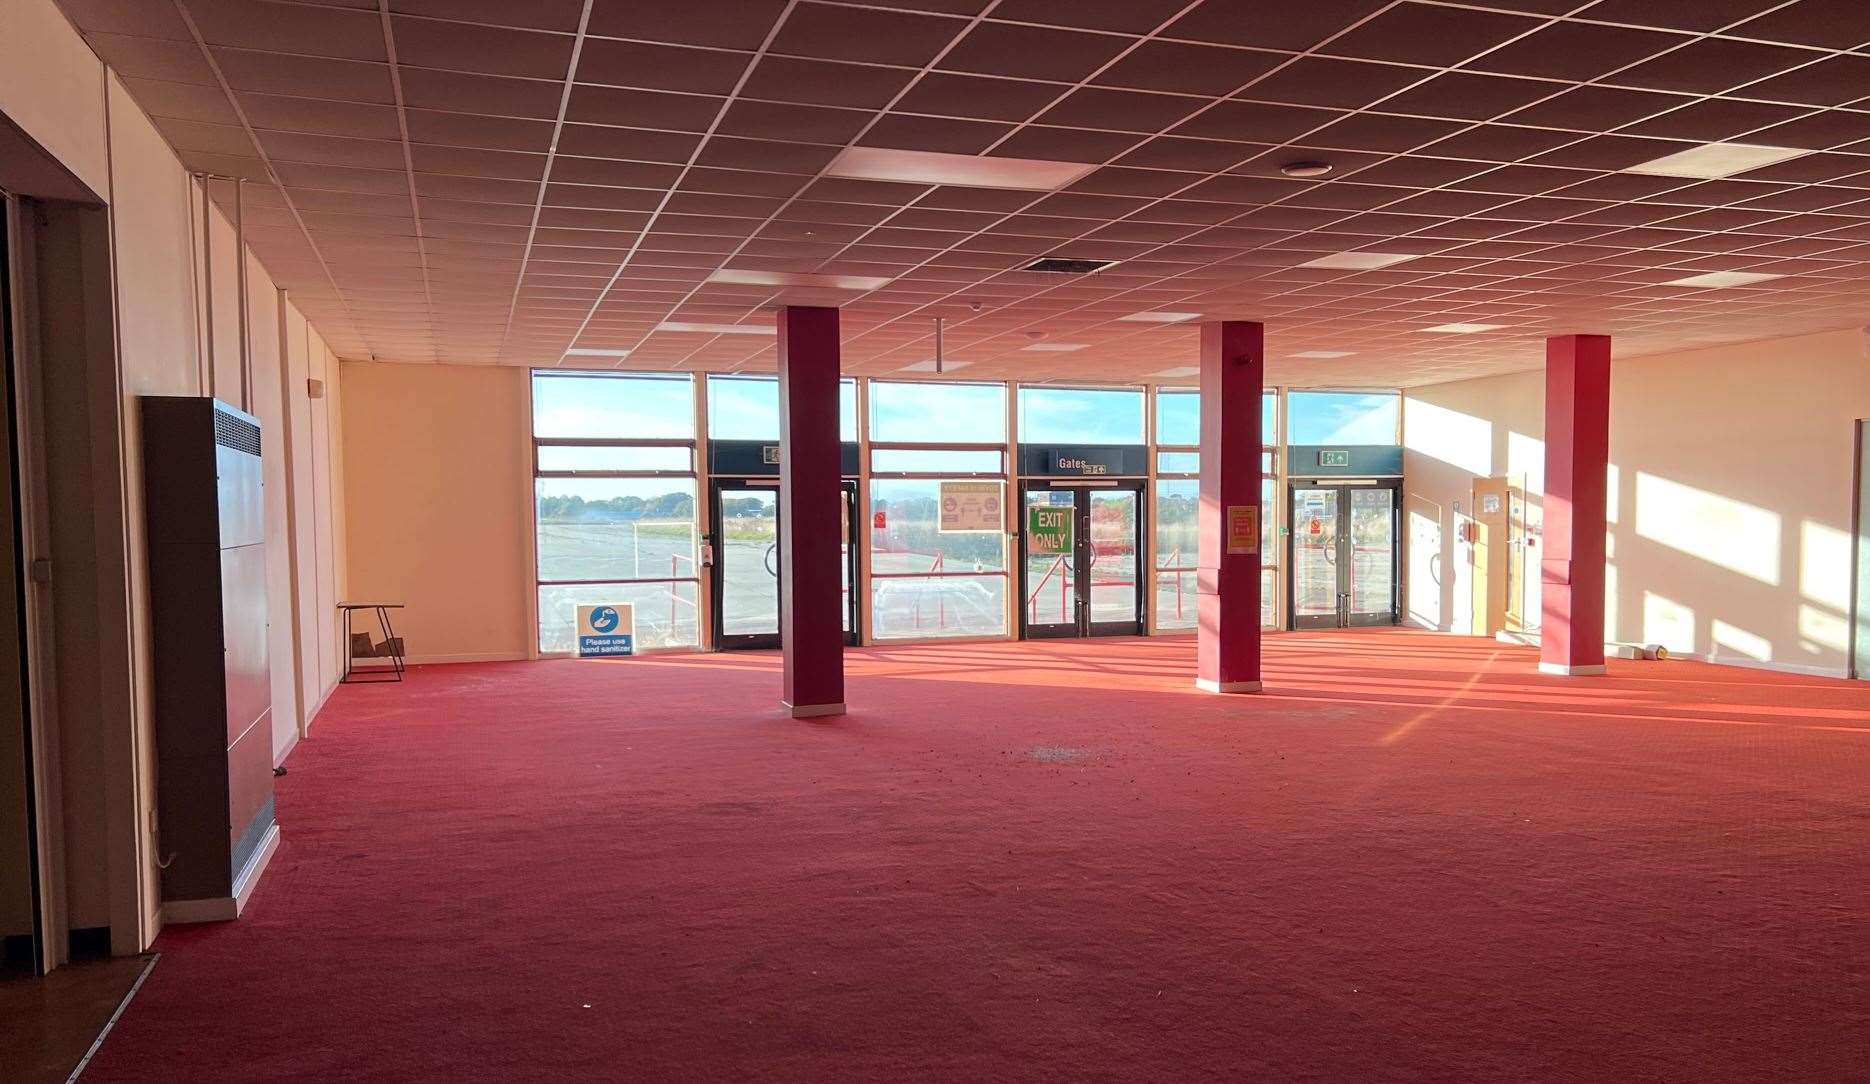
(1559, 669)
(1207, 686)
(812, 711)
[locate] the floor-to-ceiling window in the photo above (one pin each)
(614, 498)
(1178, 498)
(937, 509)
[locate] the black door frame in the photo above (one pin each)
(1343, 618)
(718, 567)
(1081, 624)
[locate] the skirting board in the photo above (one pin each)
(813, 711)
(1559, 669)
(1207, 686)
(226, 908)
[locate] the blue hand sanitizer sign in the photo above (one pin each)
(606, 631)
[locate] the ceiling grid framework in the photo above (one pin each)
(477, 182)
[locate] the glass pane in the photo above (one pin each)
(1050, 581)
(743, 408)
(616, 528)
(1315, 553)
(749, 562)
(844, 561)
(1080, 415)
(664, 613)
(1175, 599)
(613, 406)
(1342, 417)
(906, 534)
(1267, 486)
(938, 460)
(1266, 598)
(1178, 462)
(1113, 555)
(1373, 541)
(1177, 501)
(1178, 417)
(746, 407)
(937, 413)
(926, 606)
(667, 457)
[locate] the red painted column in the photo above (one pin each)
(1577, 462)
(810, 600)
(1227, 576)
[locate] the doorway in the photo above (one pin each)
(22, 933)
(746, 540)
(1080, 559)
(1499, 549)
(1342, 554)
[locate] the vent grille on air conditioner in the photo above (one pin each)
(236, 433)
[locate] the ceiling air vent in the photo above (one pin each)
(1056, 266)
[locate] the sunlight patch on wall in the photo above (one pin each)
(1458, 439)
(1717, 529)
(1668, 623)
(1525, 457)
(1825, 565)
(1611, 630)
(1740, 641)
(1825, 629)
(1425, 564)
(1613, 487)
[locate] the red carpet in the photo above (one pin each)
(1413, 859)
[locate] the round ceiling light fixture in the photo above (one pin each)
(1305, 169)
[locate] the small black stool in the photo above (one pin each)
(391, 648)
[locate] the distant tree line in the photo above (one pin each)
(575, 509)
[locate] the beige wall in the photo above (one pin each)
(161, 281)
(437, 484)
(1730, 495)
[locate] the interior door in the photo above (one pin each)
(746, 563)
(1049, 577)
(1316, 584)
(1081, 561)
(1367, 554)
(1111, 519)
(1492, 554)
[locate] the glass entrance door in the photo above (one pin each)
(1080, 560)
(1343, 555)
(746, 563)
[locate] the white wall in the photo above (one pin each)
(1730, 495)
(160, 284)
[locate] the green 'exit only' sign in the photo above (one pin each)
(1049, 528)
(1334, 458)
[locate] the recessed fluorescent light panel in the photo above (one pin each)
(1055, 348)
(1180, 370)
(717, 329)
(1361, 261)
(1723, 278)
(1323, 354)
(1711, 160)
(969, 170)
(1462, 329)
(1160, 317)
(596, 352)
(787, 278)
(929, 366)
